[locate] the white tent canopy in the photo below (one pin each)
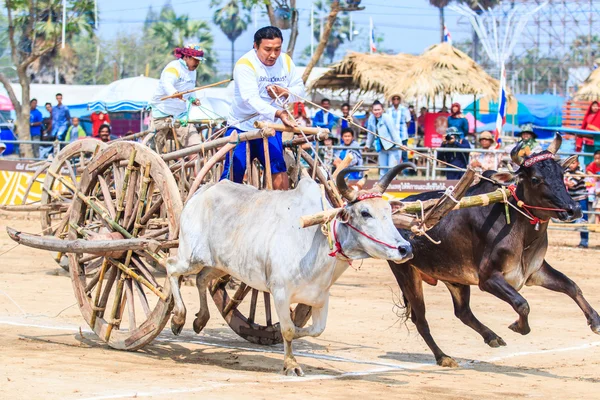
(129, 94)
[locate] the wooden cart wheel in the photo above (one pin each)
(247, 306)
(68, 163)
(126, 191)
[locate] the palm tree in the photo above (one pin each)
(48, 32)
(232, 23)
(440, 4)
(176, 31)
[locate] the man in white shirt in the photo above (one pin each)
(401, 116)
(171, 114)
(260, 77)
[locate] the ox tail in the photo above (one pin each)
(401, 307)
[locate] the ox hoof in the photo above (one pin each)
(496, 342)
(293, 371)
(447, 362)
(292, 368)
(595, 328)
(200, 322)
(523, 330)
(176, 327)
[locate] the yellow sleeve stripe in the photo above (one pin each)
(246, 62)
(288, 62)
(172, 70)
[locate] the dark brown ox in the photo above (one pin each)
(478, 247)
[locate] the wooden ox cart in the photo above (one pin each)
(112, 212)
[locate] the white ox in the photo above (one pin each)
(255, 236)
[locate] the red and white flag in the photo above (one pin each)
(372, 36)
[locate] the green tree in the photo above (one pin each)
(34, 32)
(174, 30)
(232, 21)
(340, 31)
(440, 5)
(584, 49)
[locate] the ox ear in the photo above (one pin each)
(343, 216)
(396, 206)
(568, 161)
(503, 177)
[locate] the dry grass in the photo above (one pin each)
(367, 72)
(443, 69)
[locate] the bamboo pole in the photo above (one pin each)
(62, 207)
(321, 133)
(115, 308)
(268, 177)
(174, 95)
(131, 273)
(216, 143)
(414, 207)
(121, 197)
(98, 291)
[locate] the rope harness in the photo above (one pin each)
(337, 246)
(533, 220)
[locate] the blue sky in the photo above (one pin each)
(407, 25)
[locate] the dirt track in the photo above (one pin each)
(47, 351)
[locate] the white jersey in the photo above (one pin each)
(176, 77)
(251, 78)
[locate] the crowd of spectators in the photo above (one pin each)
(59, 125)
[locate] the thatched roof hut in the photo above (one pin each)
(590, 88)
(366, 72)
(443, 69)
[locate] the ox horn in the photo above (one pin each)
(514, 154)
(384, 182)
(346, 192)
(555, 145)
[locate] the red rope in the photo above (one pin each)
(338, 245)
(534, 220)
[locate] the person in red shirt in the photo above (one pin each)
(591, 122)
(98, 118)
(594, 167)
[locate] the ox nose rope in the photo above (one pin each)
(338, 251)
(533, 220)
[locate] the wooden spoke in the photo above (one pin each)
(153, 210)
(142, 296)
(130, 304)
(236, 299)
(253, 306)
(145, 271)
(110, 281)
(267, 298)
(108, 200)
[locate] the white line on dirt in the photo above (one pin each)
(384, 367)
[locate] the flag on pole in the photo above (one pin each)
(447, 37)
(372, 36)
(501, 117)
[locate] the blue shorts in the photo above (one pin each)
(256, 151)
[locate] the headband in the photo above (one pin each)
(536, 159)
